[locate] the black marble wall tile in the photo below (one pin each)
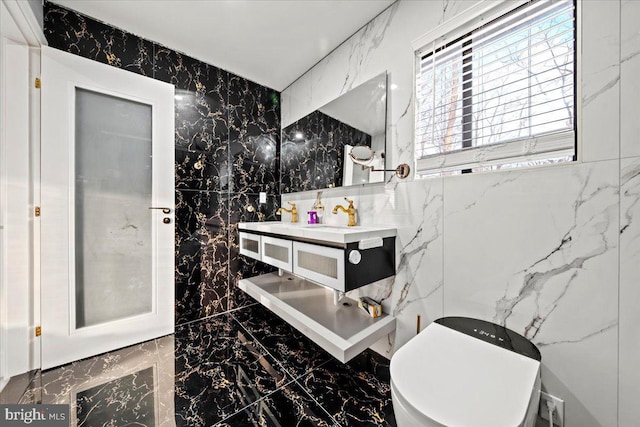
(328, 171)
(241, 266)
(227, 134)
(242, 203)
(202, 254)
(69, 31)
(190, 74)
(201, 143)
(298, 156)
(202, 150)
(255, 163)
(194, 170)
(313, 152)
(254, 136)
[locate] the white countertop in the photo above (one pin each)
(328, 233)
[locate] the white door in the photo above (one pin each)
(107, 158)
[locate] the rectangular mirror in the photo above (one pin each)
(315, 148)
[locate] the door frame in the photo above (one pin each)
(25, 346)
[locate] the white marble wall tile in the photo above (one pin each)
(298, 98)
(285, 108)
(330, 198)
(451, 8)
(323, 75)
(351, 60)
(629, 292)
(415, 208)
(537, 250)
(600, 76)
(513, 247)
(382, 45)
(345, 68)
(629, 81)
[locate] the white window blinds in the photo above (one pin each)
(501, 94)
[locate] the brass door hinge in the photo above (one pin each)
(38, 83)
(38, 331)
(37, 210)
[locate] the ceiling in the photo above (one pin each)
(272, 42)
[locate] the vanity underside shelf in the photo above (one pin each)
(343, 331)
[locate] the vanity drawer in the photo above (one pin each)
(321, 264)
(277, 252)
(250, 245)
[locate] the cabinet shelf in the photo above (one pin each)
(343, 331)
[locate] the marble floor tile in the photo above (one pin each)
(355, 394)
(130, 386)
(128, 400)
(296, 352)
(220, 370)
(289, 406)
(242, 368)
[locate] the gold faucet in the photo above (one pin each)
(293, 211)
(351, 210)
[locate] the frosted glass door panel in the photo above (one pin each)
(113, 228)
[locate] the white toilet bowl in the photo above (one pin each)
(462, 372)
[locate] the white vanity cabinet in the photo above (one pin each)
(250, 245)
(341, 258)
(277, 252)
(322, 264)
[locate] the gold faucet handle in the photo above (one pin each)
(293, 205)
(350, 202)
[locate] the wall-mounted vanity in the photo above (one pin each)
(316, 264)
(342, 258)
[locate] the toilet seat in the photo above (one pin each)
(457, 380)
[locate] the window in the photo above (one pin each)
(500, 95)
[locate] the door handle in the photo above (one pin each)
(164, 210)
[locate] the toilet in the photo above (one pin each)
(463, 372)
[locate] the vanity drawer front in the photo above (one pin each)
(250, 245)
(321, 264)
(277, 252)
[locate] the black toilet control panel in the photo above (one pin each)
(493, 334)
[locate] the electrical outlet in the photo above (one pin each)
(558, 413)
